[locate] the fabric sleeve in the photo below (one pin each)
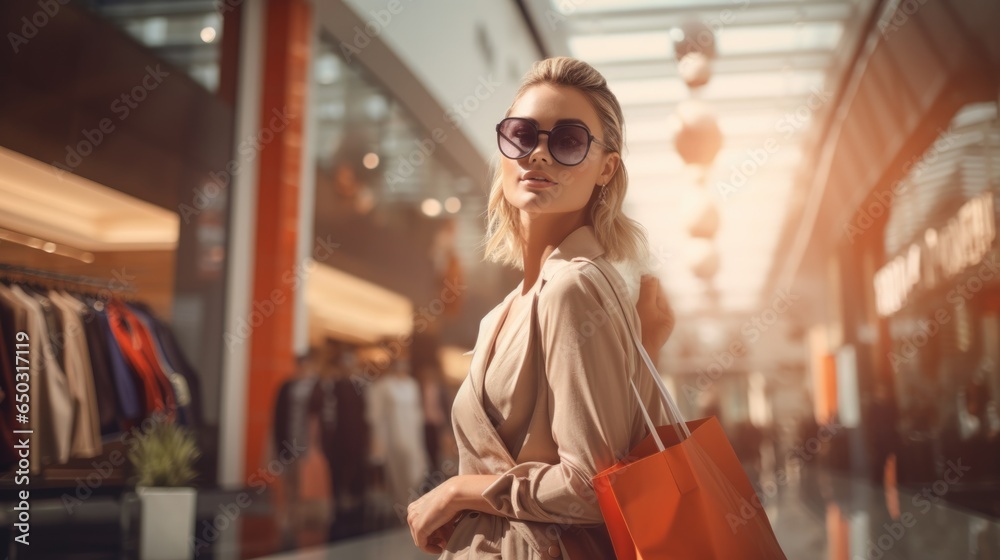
(587, 354)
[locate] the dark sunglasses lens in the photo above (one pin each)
(568, 144)
(516, 138)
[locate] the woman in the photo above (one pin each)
(547, 403)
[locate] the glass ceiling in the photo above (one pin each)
(771, 78)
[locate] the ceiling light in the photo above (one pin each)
(42, 202)
(370, 161)
(453, 204)
(208, 34)
(431, 207)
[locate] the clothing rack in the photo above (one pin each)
(10, 270)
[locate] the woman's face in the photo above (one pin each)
(537, 183)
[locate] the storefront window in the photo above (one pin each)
(383, 189)
(940, 293)
(187, 34)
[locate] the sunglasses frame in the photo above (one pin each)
(591, 139)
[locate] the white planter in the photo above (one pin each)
(166, 523)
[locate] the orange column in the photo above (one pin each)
(287, 40)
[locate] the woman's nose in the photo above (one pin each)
(541, 151)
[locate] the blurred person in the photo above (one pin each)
(340, 407)
(547, 403)
(291, 433)
(397, 426)
(747, 442)
(434, 396)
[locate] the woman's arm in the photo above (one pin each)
(586, 372)
(431, 513)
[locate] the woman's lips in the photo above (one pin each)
(537, 183)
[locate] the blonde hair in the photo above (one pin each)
(623, 238)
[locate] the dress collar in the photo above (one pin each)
(582, 243)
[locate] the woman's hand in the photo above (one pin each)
(431, 517)
(429, 514)
(655, 315)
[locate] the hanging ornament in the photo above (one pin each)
(695, 69)
(699, 214)
(693, 37)
(699, 138)
(702, 257)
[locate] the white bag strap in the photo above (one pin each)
(673, 411)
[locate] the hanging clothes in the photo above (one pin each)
(52, 413)
(95, 368)
(13, 319)
(80, 376)
(171, 349)
(111, 415)
(178, 382)
(136, 346)
(8, 455)
(126, 380)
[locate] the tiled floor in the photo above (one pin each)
(816, 517)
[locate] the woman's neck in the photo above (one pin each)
(541, 234)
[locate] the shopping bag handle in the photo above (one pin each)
(680, 427)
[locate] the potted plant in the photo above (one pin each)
(164, 458)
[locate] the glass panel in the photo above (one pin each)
(187, 34)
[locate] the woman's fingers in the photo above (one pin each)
(422, 536)
(648, 286)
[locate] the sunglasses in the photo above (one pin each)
(569, 144)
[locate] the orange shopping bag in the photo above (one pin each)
(681, 494)
(690, 501)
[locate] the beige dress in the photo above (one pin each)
(551, 409)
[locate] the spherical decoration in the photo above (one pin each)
(699, 214)
(695, 69)
(702, 257)
(693, 37)
(699, 137)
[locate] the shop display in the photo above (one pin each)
(98, 367)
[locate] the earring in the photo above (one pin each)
(601, 198)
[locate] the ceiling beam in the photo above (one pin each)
(717, 16)
(717, 7)
(772, 61)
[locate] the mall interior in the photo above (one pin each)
(242, 264)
